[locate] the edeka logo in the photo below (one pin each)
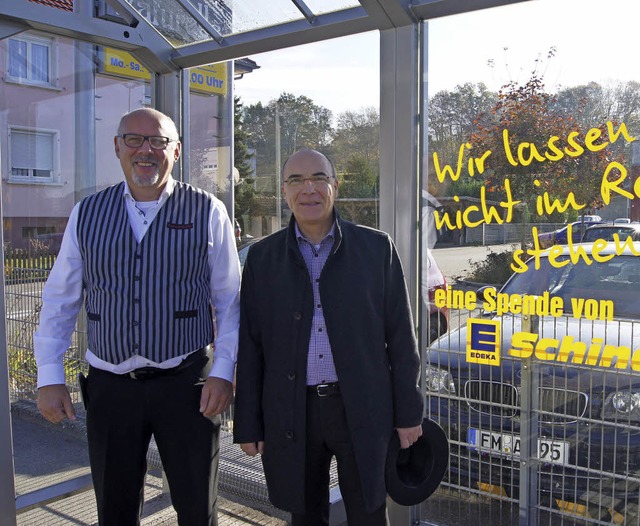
(483, 341)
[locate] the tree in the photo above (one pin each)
(358, 179)
(302, 124)
(523, 121)
(355, 150)
(453, 114)
(244, 190)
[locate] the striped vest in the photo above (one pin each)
(149, 298)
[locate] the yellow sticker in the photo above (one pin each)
(483, 341)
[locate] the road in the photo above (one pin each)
(455, 262)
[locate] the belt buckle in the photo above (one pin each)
(143, 373)
(323, 390)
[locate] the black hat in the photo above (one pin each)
(413, 474)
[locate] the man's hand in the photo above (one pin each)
(55, 404)
(253, 448)
(408, 435)
(216, 396)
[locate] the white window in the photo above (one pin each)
(31, 60)
(33, 156)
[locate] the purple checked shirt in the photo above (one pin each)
(320, 366)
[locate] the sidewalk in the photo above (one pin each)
(45, 454)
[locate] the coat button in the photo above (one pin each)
(289, 434)
(297, 316)
(291, 376)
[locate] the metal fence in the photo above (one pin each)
(552, 428)
(494, 234)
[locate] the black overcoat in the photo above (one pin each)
(368, 319)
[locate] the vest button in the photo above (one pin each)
(291, 376)
(289, 434)
(297, 316)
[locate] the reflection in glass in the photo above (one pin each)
(320, 7)
(250, 15)
(172, 20)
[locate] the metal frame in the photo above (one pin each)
(397, 20)
(399, 156)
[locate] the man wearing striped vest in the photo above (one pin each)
(154, 261)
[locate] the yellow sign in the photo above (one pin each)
(483, 346)
(210, 79)
(123, 64)
(483, 341)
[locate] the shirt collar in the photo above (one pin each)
(330, 235)
(166, 191)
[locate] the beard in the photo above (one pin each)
(145, 180)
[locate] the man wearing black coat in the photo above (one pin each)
(328, 364)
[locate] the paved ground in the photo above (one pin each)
(46, 455)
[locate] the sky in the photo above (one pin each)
(592, 43)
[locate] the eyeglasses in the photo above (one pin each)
(157, 142)
(297, 181)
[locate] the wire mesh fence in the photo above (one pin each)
(553, 428)
(545, 417)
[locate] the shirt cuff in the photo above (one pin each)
(51, 374)
(223, 368)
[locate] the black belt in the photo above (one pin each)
(322, 390)
(147, 373)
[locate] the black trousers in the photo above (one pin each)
(328, 435)
(122, 415)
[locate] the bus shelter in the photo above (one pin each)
(72, 67)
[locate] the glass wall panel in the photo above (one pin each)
(529, 146)
(304, 97)
(60, 105)
(209, 126)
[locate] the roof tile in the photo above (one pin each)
(66, 5)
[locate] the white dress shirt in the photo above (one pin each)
(62, 295)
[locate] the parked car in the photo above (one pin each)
(583, 364)
(243, 249)
(559, 236)
(606, 232)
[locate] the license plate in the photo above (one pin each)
(506, 444)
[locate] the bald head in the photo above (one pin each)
(165, 122)
(313, 153)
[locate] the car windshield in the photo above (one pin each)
(617, 279)
(607, 233)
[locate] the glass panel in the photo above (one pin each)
(320, 7)
(172, 20)
(39, 63)
(209, 122)
(17, 59)
(514, 168)
(249, 15)
(304, 97)
(217, 12)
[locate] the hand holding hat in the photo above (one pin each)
(414, 473)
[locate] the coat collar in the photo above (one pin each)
(292, 240)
